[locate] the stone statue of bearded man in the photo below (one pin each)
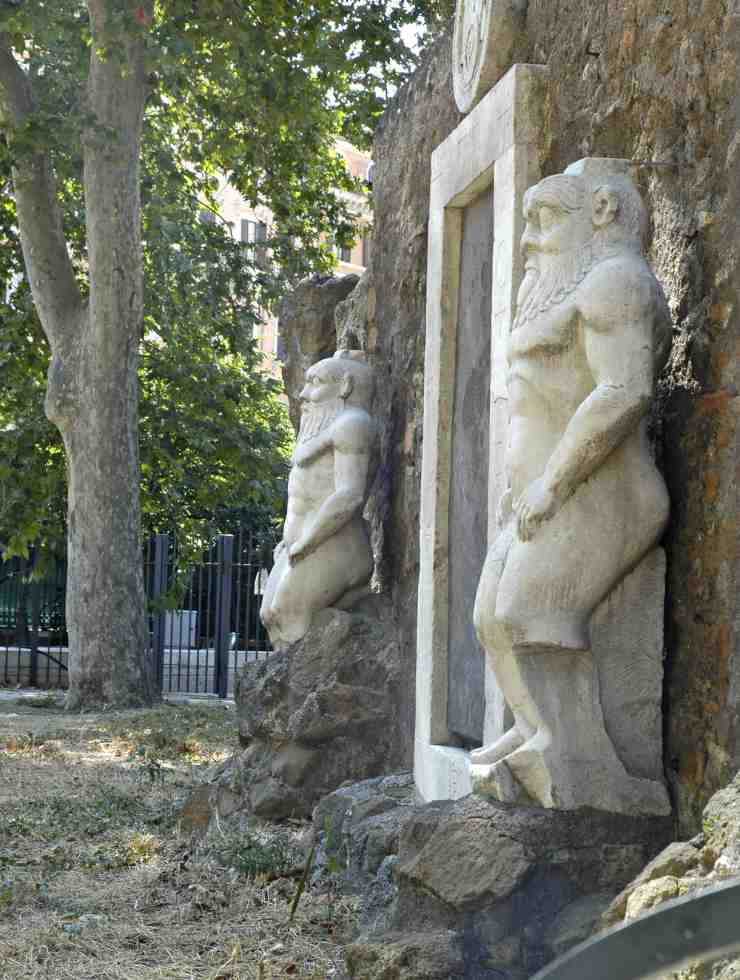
(586, 501)
(325, 558)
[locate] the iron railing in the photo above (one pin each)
(203, 615)
(33, 635)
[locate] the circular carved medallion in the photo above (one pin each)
(469, 42)
(481, 46)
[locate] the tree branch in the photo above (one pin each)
(48, 265)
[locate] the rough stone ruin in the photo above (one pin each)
(519, 730)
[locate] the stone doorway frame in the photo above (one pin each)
(502, 141)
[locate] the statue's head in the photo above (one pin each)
(346, 378)
(585, 204)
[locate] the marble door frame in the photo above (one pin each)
(502, 141)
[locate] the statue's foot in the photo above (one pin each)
(556, 780)
(496, 782)
(490, 754)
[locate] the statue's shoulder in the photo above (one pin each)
(353, 431)
(621, 286)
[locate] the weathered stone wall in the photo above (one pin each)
(654, 81)
(658, 81)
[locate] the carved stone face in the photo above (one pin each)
(552, 227)
(322, 385)
(561, 240)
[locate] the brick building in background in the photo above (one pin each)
(249, 224)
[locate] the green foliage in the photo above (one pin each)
(58, 816)
(124, 851)
(32, 469)
(252, 856)
(258, 90)
(49, 701)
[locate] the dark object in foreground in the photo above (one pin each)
(697, 927)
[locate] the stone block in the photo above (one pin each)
(510, 887)
(627, 639)
(323, 711)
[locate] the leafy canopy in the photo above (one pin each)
(258, 90)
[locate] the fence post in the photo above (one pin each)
(159, 586)
(225, 560)
(33, 677)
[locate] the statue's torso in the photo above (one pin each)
(311, 481)
(313, 478)
(548, 378)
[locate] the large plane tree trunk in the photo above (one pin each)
(92, 395)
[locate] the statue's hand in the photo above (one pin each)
(298, 551)
(504, 509)
(536, 505)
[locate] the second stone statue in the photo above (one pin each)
(325, 558)
(585, 500)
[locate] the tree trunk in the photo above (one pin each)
(93, 386)
(109, 658)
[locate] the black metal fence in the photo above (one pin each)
(214, 628)
(203, 615)
(33, 635)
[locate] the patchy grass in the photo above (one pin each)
(96, 880)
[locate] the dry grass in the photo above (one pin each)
(97, 882)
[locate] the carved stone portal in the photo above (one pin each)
(479, 176)
(483, 45)
(325, 558)
(585, 501)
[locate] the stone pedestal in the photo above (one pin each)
(472, 888)
(319, 713)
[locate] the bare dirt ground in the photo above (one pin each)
(97, 879)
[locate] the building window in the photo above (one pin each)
(345, 254)
(253, 231)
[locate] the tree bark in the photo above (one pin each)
(92, 393)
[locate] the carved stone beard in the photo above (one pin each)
(317, 416)
(556, 276)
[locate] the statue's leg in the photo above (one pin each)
(547, 592)
(497, 644)
(268, 611)
(301, 592)
(571, 762)
(319, 580)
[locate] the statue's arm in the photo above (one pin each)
(617, 330)
(351, 463)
